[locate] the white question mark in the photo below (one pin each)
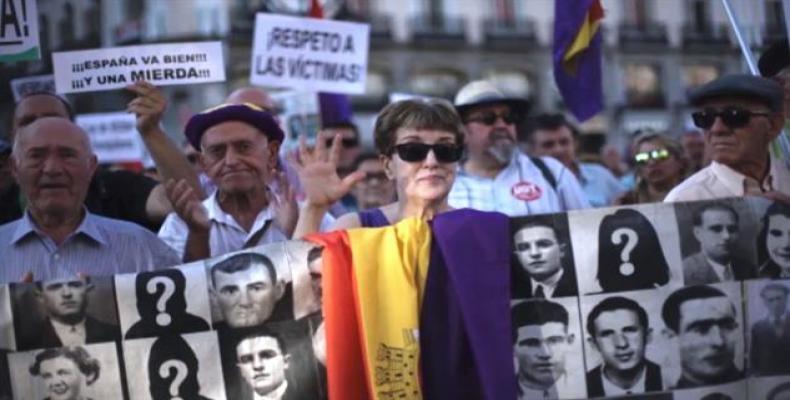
(631, 239)
(163, 318)
(181, 375)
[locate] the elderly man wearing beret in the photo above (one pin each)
(740, 116)
(238, 146)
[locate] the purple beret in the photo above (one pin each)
(246, 112)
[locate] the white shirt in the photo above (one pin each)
(226, 235)
(70, 335)
(564, 387)
(275, 394)
(519, 189)
(610, 389)
(718, 180)
(724, 272)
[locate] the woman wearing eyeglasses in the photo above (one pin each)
(419, 143)
(660, 166)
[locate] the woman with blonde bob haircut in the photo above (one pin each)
(419, 143)
(660, 166)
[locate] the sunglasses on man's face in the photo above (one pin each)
(346, 143)
(733, 117)
(489, 118)
(416, 152)
(655, 155)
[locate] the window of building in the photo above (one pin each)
(699, 74)
(698, 15)
(774, 15)
(643, 85)
(636, 12)
(438, 82)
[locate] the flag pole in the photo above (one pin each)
(782, 142)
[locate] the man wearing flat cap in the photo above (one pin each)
(740, 116)
(496, 176)
(238, 150)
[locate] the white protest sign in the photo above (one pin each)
(161, 64)
(309, 54)
(113, 136)
(32, 84)
(19, 31)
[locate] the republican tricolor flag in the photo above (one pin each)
(577, 55)
(417, 311)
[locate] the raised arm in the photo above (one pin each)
(148, 107)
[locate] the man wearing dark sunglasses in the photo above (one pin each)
(740, 116)
(495, 175)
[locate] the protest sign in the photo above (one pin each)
(299, 116)
(113, 136)
(309, 54)
(32, 84)
(19, 31)
(161, 64)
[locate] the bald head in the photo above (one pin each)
(39, 105)
(53, 164)
(253, 95)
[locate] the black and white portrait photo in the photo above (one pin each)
(64, 312)
(624, 348)
(166, 301)
(547, 349)
(7, 341)
(249, 288)
(773, 242)
(185, 366)
(272, 361)
(625, 249)
(716, 241)
(306, 271)
(768, 325)
(542, 262)
(89, 372)
(704, 327)
(769, 388)
(730, 391)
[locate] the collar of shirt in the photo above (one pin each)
(611, 389)
(741, 184)
(778, 321)
(87, 227)
(70, 335)
(527, 391)
(275, 394)
(549, 285)
(722, 270)
(217, 214)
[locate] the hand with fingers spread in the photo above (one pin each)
(286, 210)
(148, 106)
(317, 169)
(187, 204)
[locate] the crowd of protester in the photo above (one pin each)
(229, 186)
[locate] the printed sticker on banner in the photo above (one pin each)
(526, 191)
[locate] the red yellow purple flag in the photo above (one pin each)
(577, 55)
(373, 284)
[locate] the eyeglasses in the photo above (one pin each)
(346, 143)
(490, 118)
(416, 152)
(655, 155)
(733, 117)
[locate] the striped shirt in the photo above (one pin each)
(519, 189)
(99, 246)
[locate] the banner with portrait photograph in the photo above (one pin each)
(656, 301)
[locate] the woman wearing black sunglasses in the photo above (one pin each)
(418, 141)
(660, 166)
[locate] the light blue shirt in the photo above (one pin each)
(600, 185)
(99, 246)
(519, 189)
